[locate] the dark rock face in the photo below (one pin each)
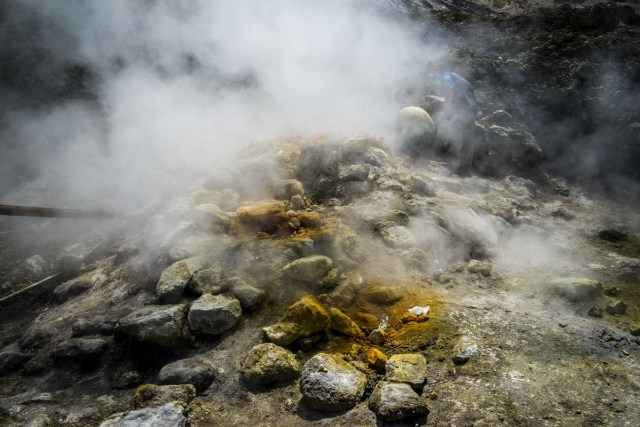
(72, 288)
(328, 383)
(80, 349)
(188, 371)
(12, 360)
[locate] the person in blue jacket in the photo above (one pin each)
(460, 111)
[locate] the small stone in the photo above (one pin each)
(304, 318)
(596, 312)
(188, 371)
(208, 281)
(80, 350)
(269, 363)
(308, 269)
(297, 202)
(617, 308)
(464, 356)
(328, 383)
(168, 415)
(342, 323)
(214, 314)
(376, 358)
(72, 288)
(161, 325)
(407, 368)
(378, 336)
(150, 395)
(397, 402)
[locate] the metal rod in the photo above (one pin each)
(28, 288)
(15, 210)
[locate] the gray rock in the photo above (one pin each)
(127, 380)
(407, 368)
(168, 415)
(577, 289)
(617, 308)
(188, 371)
(214, 314)
(376, 157)
(328, 383)
(11, 361)
(464, 356)
(596, 311)
(80, 350)
(359, 172)
(398, 236)
(249, 296)
(208, 281)
(397, 402)
(309, 269)
(72, 288)
(297, 202)
(34, 266)
(156, 324)
(173, 281)
(269, 363)
(286, 189)
(84, 327)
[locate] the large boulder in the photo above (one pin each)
(309, 269)
(214, 314)
(156, 324)
(269, 363)
(305, 317)
(396, 402)
(188, 371)
(11, 361)
(328, 383)
(208, 281)
(168, 415)
(407, 368)
(174, 279)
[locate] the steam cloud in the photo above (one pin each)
(123, 98)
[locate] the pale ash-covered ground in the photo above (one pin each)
(541, 359)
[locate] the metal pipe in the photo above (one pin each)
(37, 211)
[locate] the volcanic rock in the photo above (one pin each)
(398, 236)
(309, 269)
(156, 324)
(407, 368)
(188, 371)
(381, 294)
(249, 296)
(464, 356)
(70, 265)
(617, 307)
(214, 314)
(168, 415)
(377, 336)
(72, 288)
(286, 189)
(174, 279)
(152, 395)
(358, 172)
(342, 323)
(397, 402)
(328, 383)
(208, 281)
(480, 267)
(376, 358)
(305, 317)
(577, 289)
(84, 327)
(267, 216)
(269, 363)
(80, 349)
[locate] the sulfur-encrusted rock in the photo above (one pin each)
(265, 216)
(305, 317)
(156, 324)
(188, 371)
(328, 383)
(342, 323)
(214, 314)
(381, 294)
(269, 363)
(174, 279)
(309, 269)
(376, 358)
(396, 402)
(407, 368)
(479, 267)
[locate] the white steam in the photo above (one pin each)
(181, 84)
